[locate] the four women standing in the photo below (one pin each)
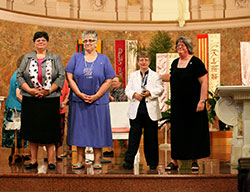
(41, 75)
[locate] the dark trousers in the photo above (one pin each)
(151, 150)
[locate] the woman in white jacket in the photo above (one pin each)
(143, 89)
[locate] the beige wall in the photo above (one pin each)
(132, 10)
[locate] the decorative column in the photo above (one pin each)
(7, 4)
(195, 9)
(146, 10)
(122, 10)
(74, 9)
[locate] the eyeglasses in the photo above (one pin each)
(180, 45)
(144, 60)
(89, 41)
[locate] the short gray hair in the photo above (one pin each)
(92, 33)
(188, 42)
(143, 53)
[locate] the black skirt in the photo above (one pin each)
(40, 120)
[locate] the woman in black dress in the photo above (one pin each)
(189, 122)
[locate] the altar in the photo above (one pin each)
(233, 108)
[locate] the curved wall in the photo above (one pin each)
(122, 25)
(17, 31)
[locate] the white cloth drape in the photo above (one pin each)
(245, 63)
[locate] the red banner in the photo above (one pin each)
(202, 45)
(202, 42)
(120, 59)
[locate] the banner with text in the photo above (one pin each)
(213, 61)
(209, 52)
(120, 68)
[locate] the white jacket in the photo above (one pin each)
(154, 85)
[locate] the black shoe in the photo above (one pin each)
(153, 166)
(127, 166)
(108, 154)
(51, 166)
(45, 159)
(171, 166)
(195, 166)
(18, 159)
(26, 158)
(10, 158)
(31, 166)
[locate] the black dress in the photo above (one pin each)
(189, 129)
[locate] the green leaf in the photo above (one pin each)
(160, 43)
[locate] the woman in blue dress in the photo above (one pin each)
(89, 74)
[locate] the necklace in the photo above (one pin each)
(88, 71)
(91, 66)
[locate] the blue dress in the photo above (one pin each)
(89, 124)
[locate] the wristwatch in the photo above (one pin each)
(203, 101)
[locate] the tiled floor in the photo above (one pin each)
(217, 164)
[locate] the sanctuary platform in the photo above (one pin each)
(215, 174)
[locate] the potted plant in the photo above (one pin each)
(211, 105)
(166, 115)
(211, 101)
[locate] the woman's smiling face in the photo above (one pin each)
(89, 43)
(41, 43)
(143, 63)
